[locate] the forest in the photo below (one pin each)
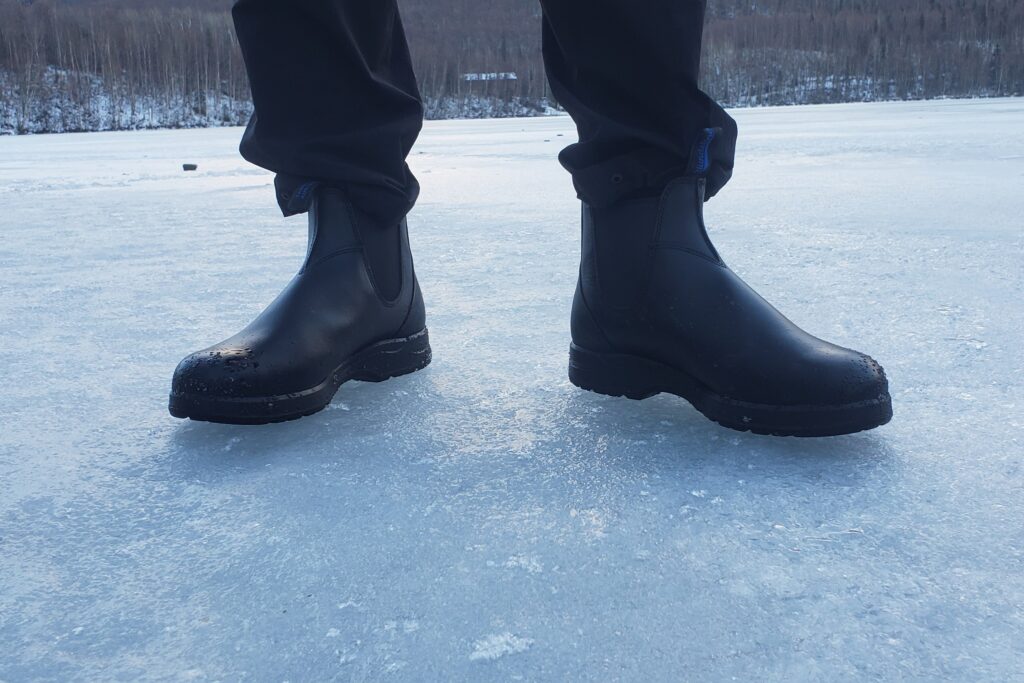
(82, 65)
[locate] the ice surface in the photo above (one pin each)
(483, 519)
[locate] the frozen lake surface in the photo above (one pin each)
(483, 519)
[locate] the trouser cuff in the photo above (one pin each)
(383, 205)
(294, 194)
(647, 171)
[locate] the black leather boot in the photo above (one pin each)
(331, 324)
(657, 310)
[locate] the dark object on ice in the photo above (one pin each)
(354, 311)
(189, 167)
(657, 310)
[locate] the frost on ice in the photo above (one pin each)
(434, 526)
(499, 645)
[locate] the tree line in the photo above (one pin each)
(71, 65)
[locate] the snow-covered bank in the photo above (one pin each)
(54, 106)
(483, 519)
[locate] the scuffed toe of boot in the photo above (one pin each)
(217, 371)
(867, 381)
(831, 376)
(844, 392)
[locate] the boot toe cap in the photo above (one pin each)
(869, 381)
(836, 377)
(843, 377)
(217, 371)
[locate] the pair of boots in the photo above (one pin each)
(655, 310)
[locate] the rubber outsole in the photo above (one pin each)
(637, 378)
(376, 363)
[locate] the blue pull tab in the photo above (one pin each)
(302, 197)
(700, 157)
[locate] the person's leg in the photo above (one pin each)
(627, 73)
(336, 113)
(656, 309)
(335, 99)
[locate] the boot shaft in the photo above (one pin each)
(336, 226)
(619, 243)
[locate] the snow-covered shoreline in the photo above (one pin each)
(96, 107)
(93, 106)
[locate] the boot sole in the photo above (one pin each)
(638, 378)
(376, 363)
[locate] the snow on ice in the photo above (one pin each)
(483, 519)
(499, 645)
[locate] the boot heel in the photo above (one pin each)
(392, 358)
(614, 374)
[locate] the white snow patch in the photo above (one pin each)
(498, 645)
(594, 523)
(404, 625)
(531, 563)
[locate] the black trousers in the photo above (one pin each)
(336, 99)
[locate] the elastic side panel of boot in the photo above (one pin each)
(622, 235)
